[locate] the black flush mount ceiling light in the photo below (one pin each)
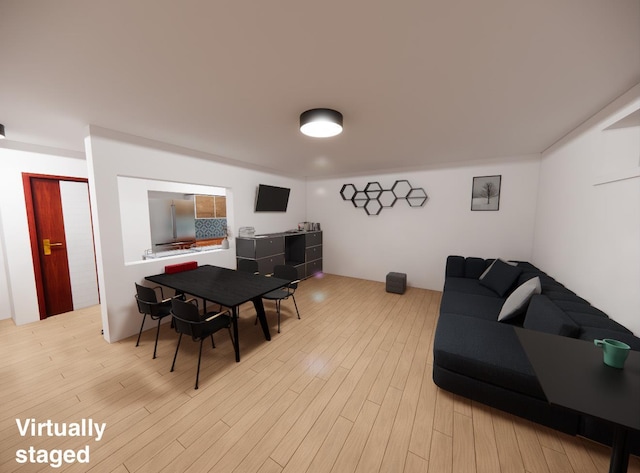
(2, 135)
(321, 123)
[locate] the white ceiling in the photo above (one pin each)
(420, 82)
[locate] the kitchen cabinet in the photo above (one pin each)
(220, 206)
(303, 250)
(204, 206)
(267, 251)
(211, 206)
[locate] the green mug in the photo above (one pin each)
(614, 352)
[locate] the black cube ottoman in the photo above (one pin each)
(396, 283)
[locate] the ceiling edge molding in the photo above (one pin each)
(98, 131)
(41, 149)
(611, 113)
(433, 167)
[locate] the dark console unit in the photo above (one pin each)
(300, 249)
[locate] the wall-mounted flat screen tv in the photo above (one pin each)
(272, 198)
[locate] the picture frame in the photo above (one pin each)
(485, 193)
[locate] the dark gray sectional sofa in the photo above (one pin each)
(481, 358)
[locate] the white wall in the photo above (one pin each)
(417, 241)
(17, 283)
(6, 310)
(111, 155)
(587, 231)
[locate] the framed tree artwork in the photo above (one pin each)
(485, 193)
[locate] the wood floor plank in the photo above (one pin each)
(374, 449)
(399, 440)
(359, 395)
(487, 460)
(549, 438)
(464, 458)
(160, 459)
(252, 436)
(443, 419)
(260, 451)
(441, 458)
(415, 464)
(269, 466)
(420, 443)
(349, 456)
(383, 380)
(578, 455)
(323, 459)
(557, 462)
(287, 447)
(507, 442)
(530, 448)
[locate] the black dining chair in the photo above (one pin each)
(289, 273)
(148, 304)
(187, 321)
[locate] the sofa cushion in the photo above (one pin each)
(484, 350)
(474, 267)
(596, 321)
(467, 286)
(455, 267)
(592, 333)
(525, 276)
(528, 267)
(573, 306)
(473, 305)
(544, 316)
(556, 293)
(501, 277)
(517, 302)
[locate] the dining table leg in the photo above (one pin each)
(259, 306)
(236, 341)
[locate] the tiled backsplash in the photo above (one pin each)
(210, 228)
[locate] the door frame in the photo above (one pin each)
(33, 232)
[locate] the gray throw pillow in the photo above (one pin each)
(518, 300)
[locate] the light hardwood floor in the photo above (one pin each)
(346, 389)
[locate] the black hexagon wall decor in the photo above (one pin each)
(373, 198)
(348, 191)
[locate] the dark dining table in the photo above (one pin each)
(226, 287)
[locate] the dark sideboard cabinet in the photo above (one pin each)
(300, 249)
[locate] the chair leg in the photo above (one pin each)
(141, 327)
(199, 358)
(213, 345)
(296, 305)
(176, 354)
(278, 302)
(155, 347)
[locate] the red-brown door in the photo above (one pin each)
(48, 245)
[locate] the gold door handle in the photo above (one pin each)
(46, 244)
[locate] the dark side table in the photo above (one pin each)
(572, 375)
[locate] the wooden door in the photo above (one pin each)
(48, 245)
